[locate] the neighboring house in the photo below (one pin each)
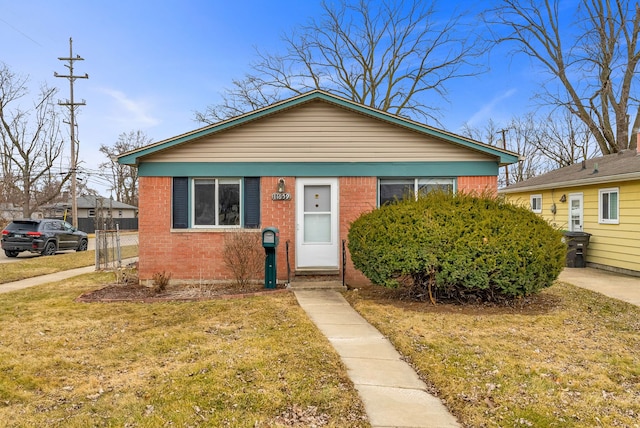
(97, 212)
(309, 165)
(600, 196)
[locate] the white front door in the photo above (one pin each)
(575, 212)
(317, 223)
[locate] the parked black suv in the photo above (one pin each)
(42, 236)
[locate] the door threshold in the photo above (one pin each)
(317, 271)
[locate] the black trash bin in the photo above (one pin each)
(577, 244)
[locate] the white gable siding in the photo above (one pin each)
(317, 132)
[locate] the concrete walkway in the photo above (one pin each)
(44, 279)
(618, 286)
(391, 391)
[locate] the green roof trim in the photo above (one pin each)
(134, 157)
(317, 169)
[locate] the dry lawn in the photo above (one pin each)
(44, 265)
(569, 359)
(252, 362)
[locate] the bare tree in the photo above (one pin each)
(592, 63)
(517, 136)
(124, 178)
(391, 55)
(31, 144)
(563, 140)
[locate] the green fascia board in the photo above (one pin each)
(317, 169)
(133, 158)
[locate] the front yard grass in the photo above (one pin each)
(253, 362)
(44, 265)
(570, 360)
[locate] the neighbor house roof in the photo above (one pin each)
(89, 202)
(621, 166)
(135, 156)
(98, 201)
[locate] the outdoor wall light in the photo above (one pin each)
(281, 185)
(563, 198)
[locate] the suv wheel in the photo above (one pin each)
(82, 246)
(10, 253)
(49, 249)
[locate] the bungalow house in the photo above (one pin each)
(600, 196)
(97, 212)
(309, 166)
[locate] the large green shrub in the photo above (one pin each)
(461, 247)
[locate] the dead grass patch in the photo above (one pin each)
(45, 265)
(254, 362)
(567, 358)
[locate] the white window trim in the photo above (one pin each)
(531, 199)
(416, 183)
(192, 211)
(609, 190)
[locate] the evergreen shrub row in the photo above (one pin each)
(457, 247)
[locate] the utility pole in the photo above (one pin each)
(72, 123)
(504, 146)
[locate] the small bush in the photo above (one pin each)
(244, 256)
(460, 247)
(160, 281)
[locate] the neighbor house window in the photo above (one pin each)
(208, 202)
(536, 203)
(609, 206)
(392, 189)
(92, 212)
(216, 202)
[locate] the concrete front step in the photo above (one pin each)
(316, 285)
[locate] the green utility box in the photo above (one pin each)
(270, 240)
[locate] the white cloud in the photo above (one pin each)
(495, 107)
(134, 113)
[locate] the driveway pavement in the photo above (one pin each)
(618, 286)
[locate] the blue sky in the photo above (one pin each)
(152, 64)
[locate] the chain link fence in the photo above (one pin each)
(113, 247)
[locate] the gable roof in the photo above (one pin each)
(621, 166)
(91, 202)
(134, 157)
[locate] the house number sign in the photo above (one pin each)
(281, 196)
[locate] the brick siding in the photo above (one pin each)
(192, 256)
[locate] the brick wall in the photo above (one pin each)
(197, 255)
(478, 184)
(357, 195)
(280, 214)
(185, 255)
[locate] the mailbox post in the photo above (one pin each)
(270, 238)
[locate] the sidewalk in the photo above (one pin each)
(391, 391)
(618, 286)
(52, 277)
(37, 280)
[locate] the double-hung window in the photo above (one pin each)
(392, 189)
(536, 203)
(608, 206)
(203, 202)
(216, 202)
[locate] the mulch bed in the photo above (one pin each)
(140, 293)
